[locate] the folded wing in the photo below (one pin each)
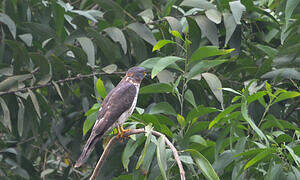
(118, 101)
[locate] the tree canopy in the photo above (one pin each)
(223, 87)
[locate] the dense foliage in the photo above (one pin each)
(223, 87)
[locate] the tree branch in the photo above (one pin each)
(78, 77)
(137, 131)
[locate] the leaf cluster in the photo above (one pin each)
(224, 87)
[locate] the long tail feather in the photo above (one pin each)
(88, 148)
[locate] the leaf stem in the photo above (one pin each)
(184, 84)
(264, 114)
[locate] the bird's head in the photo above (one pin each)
(136, 73)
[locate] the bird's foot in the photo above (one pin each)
(121, 132)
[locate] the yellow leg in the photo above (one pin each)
(121, 131)
(118, 129)
(124, 130)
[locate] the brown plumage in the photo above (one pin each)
(115, 109)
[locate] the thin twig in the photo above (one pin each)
(78, 77)
(295, 108)
(137, 131)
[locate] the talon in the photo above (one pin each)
(121, 132)
(124, 130)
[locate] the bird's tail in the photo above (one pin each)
(88, 148)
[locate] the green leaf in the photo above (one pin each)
(110, 68)
(223, 160)
(164, 108)
(230, 25)
(208, 28)
(58, 90)
(190, 97)
(46, 172)
(140, 110)
(88, 47)
(80, 55)
(6, 119)
(231, 90)
(203, 4)
(163, 63)
(165, 130)
(204, 165)
(149, 157)
(129, 150)
(177, 34)
(59, 21)
(194, 114)
(44, 31)
(289, 8)
(268, 50)
(20, 171)
(186, 159)
(147, 15)
(144, 152)
(108, 48)
(100, 88)
(283, 138)
(181, 120)
(168, 7)
(156, 88)
(174, 23)
(215, 85)
(236, 98)
(143, 31)
(165, 76)
(287, 95)
(214, 15)
(294, 156)
(35, 103)
(237, 9)
(43, 76)
(5, 19)
(117, 36)
(286, 73)
(256, 96)
(89, 122)
(208, 51)
(203, 66)
(21, 113)
(161, 156)
(94, 108)
(223, 114)
(89, 14)
(20, 56)
(27, 39)
(150, 63)
(162, 43)
(198, 139)
(244, 109)
(12, 81)
(259, 157)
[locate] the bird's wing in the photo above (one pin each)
(115, 104)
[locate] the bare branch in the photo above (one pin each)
(137, 131)
(78, 77)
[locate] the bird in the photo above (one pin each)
(117, 106)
